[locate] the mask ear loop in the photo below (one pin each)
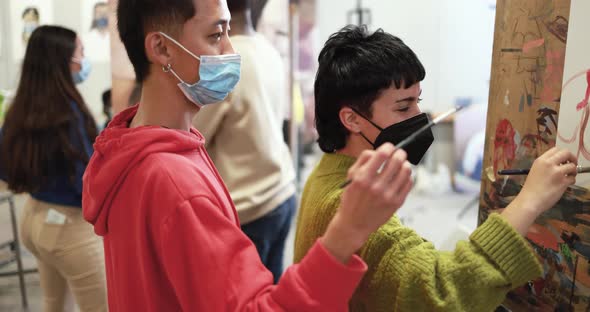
(179, 45)
(372, 123)
(368, 141)
(168, 69)
(367, 119)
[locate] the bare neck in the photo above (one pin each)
(163, 104)
(355, 145)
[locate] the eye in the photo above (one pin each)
(405, 109)
(419, 100)
(217, 36)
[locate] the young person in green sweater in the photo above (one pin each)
(367, 91)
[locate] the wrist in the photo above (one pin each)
(521, 213)
(341, 240)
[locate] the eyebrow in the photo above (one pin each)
(221, 22)
(410, 98)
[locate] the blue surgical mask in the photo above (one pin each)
(218, 74)
(29, 27)
(102, 22)
(85, 68)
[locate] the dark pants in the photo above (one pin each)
(269, 234)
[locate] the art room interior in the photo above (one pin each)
(280, 111)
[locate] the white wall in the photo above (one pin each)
(467, 32)
(66, 13)
(452, 38)
(4, 24)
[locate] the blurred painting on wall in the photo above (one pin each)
(26, 16)
(95, 26)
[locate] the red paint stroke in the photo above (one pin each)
(504, 145)
(584, 102)
(581, 147)
(569, 140)
(527, 46)
(542, 236)
(574, 77)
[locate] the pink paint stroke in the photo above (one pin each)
(584, 102)
(552, 74)
(581, 128)
(532, 44)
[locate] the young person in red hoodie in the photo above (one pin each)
(171, 234)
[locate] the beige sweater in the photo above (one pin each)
(244, 133)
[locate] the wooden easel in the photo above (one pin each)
(526, 82)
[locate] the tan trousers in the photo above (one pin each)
(68, 254)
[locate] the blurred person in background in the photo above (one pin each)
(244, 139)
(31, 21)
(45, 144)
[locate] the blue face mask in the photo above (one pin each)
(218, 74)
(30, 27)
(102, 22)
(84, 72)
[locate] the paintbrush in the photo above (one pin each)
(414, 135)
(580, 169)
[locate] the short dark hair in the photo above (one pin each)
(355, 66)
(135, 18)
(238, 5)
(107, 102)
(257, 8)
(106, 98)
(31, 10)
(135, 95)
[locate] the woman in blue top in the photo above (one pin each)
(45, 144)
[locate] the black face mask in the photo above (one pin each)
(401, 130)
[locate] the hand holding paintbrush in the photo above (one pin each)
(551, 174)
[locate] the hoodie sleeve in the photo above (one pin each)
(213, 266)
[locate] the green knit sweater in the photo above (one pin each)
(406, 273)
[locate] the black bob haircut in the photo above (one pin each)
(355, 66)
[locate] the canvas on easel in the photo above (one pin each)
(574, 134)
(537, 87)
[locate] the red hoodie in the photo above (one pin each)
(172, 239)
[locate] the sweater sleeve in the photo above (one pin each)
(411, 275)
(213, 266)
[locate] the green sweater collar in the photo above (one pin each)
(335, 163)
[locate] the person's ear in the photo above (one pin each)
(157, 49)
(350, 119)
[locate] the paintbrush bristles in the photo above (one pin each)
(449, 113)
